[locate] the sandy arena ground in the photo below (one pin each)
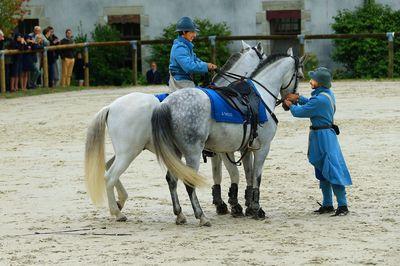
(41, 190)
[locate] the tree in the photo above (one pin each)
(160, 52)
(107, 63)
(366, 58)
(11, 12)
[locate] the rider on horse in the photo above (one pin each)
(183, 61)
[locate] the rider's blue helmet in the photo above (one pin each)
(186, 24)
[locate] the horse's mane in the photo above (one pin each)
(228, 65)
(266, 62)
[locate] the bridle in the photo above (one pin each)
(294, 77)
(260, 55)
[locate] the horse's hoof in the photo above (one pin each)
(237, 211)
(204, 221)
(222, 209)
(119, 205)
(122, 218)
(180, 219)
(249, 211)
(259, 214)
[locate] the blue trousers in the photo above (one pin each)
(327, 188)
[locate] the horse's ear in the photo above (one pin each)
(290, 51)
(260, 48)
(245, 46)
(303, 59)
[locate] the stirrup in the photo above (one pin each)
(253, 148)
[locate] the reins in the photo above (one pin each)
(234, 76)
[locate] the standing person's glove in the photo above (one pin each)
(292, 97)
(211, 66)
(286, 105)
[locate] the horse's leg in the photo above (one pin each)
(248, 171)
(259, 159)
(122, 194)
(112, 175)
(193, 161)
(236, 208)
(172, 183)
(220, 205)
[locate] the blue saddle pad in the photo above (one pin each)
(161, 97)
(221, 111)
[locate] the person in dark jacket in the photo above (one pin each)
(68, 59)
(18, 43)
(79, 69)
(2, 40)
(28, 61)
(52, 56)
(153, 76)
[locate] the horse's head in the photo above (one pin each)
(291, 79)
(242, 63)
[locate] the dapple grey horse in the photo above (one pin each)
(128, 120)
(182, 126)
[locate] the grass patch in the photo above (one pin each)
(40, 91)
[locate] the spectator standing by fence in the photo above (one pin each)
(27, 62)
(41, 40)
(153, 76)
(2, 40)
(79, 69)
(52, 56)
(16, 62)
(68, 59)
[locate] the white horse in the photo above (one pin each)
(182, 126)
(128, 120)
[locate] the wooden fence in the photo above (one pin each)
(389, 36)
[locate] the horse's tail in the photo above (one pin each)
(165, 147)
(94, 157)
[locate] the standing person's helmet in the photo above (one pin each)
(186, 24)
(322, 75)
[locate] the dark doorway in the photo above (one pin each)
(129, 27)
(285, 22)
(26, 26)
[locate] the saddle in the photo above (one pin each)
(241, 96)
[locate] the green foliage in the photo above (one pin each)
(310, 64)
(106, 63)
(160, 52)
(366, 58)
(11, 12)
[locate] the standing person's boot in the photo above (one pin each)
(324, 209)
(341, 211)
(340, 193)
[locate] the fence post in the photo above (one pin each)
(301, 37)
(212, 40)
(86, 64)
(134, 62)
(390, 38)
(45, 68)
(2, 72)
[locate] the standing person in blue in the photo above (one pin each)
(324, 151)
(183, 61)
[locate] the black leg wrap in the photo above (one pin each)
(233, 194)
(237, 211)
(216, 193)
(256, 211)
(220, 205)
(248, 195)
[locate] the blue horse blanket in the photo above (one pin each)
(221, 111)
